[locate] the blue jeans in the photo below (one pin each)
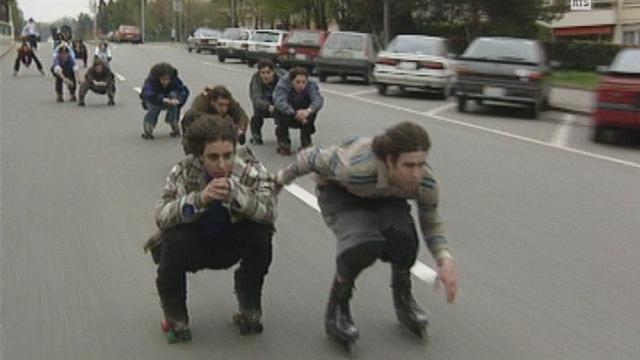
(151, 118)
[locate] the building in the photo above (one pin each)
(616, 21)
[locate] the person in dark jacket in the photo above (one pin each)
(80, 51)
(26, 56)
(261, 88)
(163, 90)
(100, 80)
(216, 101)
(297, 101)
(64, 70)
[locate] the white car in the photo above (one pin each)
(203, 39)
(264, 44)
(415, 61)
(233, 44)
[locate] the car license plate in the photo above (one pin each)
(493, 91)
(301, 57)
(407, 65)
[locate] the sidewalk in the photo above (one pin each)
(6, 44)
(572, 100)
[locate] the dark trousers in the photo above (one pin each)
(69, 74)
(284, 122)
(368, 230)
(151, 117)
(26, 60)
(185, 249)
(257, 121)
(109, 89)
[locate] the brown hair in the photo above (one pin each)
(218, 92)
(297, 70)
(401, 138)
(209, 128)
(265, 63)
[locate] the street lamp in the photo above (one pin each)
(142, 25)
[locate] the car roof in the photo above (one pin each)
(419, 36)
(504, 38)
(349, 33)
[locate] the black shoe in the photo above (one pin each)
(73, 98)
(337, 319)
(175, 133)
(248, 321)
(59, 98)
(408, 311)
(284, 150)
(147, 136)
(81, 103)
(256, 140)
(111, 102)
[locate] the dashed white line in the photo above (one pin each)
(561, 135)
(363, 92)
(138, 89)
(439, 109)
(419, 270)
(120, 77)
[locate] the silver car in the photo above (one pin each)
(203, 39)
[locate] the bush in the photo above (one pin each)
(581, 55)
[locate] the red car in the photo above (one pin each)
(128, 33)
(618, 95)
(301, 48)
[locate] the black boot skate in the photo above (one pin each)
(338, 323)
(176, 331)
(408, 311)
(248, 321)
(175, 324)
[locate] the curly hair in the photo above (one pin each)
(161, 69)
(207, 129)
(401, 138)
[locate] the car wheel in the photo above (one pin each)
(603, 134)
(462, 104)
(382, 89)
(322, 77)
(221, 58)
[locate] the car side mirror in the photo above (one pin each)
(555, 64)
(602, 69)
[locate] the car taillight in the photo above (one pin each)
(535, 76)
(386, 61)
(463, 71)
(430, 65)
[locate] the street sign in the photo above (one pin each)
(177, 5)
(581, 5)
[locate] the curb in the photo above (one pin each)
(570, 110)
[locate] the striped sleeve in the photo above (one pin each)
(430, 222)
(253, 194)
(325, 162)
(169, 209)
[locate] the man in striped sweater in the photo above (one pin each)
(362, 188)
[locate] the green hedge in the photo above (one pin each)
(581, 55)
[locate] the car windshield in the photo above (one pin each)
(269, 37)
(207, 33)
(235, 34)
(304, 38)
(510, 50)
(353, 42)
(417, 45)
(131, 29)
(627, 62)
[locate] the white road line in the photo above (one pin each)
(439, 109)
(462, 123)
(363, 92)
(561, 136)
(120, 77)
(419, 270)
(137, 89)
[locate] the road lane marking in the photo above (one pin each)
(560, 137)
(419, 270)
(363, 92)
(463, 124)
(137, 89)
(120, 77)
(439, 109)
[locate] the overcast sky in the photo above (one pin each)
(50, 10)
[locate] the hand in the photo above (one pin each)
(270, 109)
(301, 116)
(207, 90)
(448, 275)
(217, 189)
(68, 82)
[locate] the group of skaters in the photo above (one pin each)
(219, 203)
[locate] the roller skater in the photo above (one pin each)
(162, 90)
(362, 188)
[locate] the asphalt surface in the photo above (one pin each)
(543, 224)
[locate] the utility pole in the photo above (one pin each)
(233, 13)
(142, 20)
(386, 21)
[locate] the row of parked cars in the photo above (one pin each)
(491, 69)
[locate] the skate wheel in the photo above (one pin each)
(172, 338)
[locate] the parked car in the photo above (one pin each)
(504, 70)
(618, 104)
(128, 33)
(301, 48)
(415, 61)
(264, 44)
(347, 54)
(233, 44)
(203, 39)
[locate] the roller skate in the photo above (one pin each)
(176, 331)
(408, 311)
(338, 323)
(248, 321)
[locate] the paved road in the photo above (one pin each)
(543, 224)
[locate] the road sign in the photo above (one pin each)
(581, 5)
